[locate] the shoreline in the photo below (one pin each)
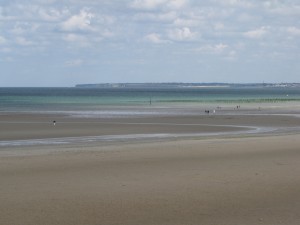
(36, 131)
(23, 129)
(229, 178)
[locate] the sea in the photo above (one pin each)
(120, 102)
(136, 103)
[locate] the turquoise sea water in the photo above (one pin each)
(72, 99)
(125, 103)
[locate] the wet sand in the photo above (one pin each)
(220, 180)
(40, 126)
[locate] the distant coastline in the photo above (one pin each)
(188, 85)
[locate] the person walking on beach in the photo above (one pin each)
(54, 122)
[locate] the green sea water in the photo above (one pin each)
(78, 99)
(134, 102)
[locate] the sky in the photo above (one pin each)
(61, 43)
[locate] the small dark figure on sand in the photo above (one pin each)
(54, 122)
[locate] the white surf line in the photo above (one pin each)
(126, 137)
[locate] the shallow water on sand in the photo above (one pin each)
(138, 100)
(122, 103)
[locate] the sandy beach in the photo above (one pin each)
(236, 179)
(149, 112)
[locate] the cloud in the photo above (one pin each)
(74, 63)
(236, 3)
(186, 22)
(293, 31)
(220, 47)
(79, 22)
(106, 33)
(75, 38)
(256, 34)
(23, 41)
(183, 34)
(232, 55)
(282, 8)
(221, 50)
(157, 17)
(177, 34)
(52, 14)
(248, 17)
(83, 40)
(155, 38)
(5, 50)
(147, 4)
(78, 40)
(218, 26)
(21, 28)
(105, 19)
(213, 49)
(155, 4)
(176, 4)
(88, 28)
(121, 31)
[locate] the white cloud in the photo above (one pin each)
(74, 38)
(155, 4)
(155, 38)
(237, 3)
(18, 30)
(105, 19)
(52, 14)
(23, 41)
(5, 50)
(213, 49)
(82, 40)
(182, 34)
(106, 33)
(232, 55)
(248, 18)
(176, 4)
(160, 17)
(282, 8)
(147, 4)
(74, 63)
(79, 40)
(21, 28)
(256, 34)
(186, 22)
(219, 48)
(46, 1)
(79, 22)
(293, 31)
(219, 26)
(222, 29)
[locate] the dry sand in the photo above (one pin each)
(244, 180)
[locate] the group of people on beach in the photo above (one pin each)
(208, 111)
